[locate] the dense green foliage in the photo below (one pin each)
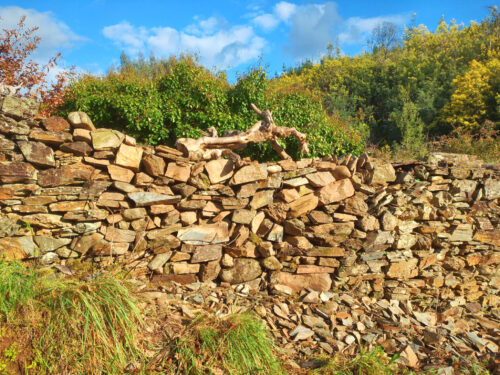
(428, 84)
(159, 101)
(412, 86)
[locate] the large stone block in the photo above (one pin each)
(19, 108)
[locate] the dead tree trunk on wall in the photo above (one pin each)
(212, 146)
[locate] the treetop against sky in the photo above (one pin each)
(226, 35)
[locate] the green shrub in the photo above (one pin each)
(177, 98)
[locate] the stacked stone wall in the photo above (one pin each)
(70, 191)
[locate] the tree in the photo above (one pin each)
(17, 69)
(385, 37)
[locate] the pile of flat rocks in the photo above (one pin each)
(340, 250)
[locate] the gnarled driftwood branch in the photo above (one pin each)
(212, 146)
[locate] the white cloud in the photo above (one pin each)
(357, 29)
(55, 35)
(312, 27)
(126, 36)
(285, 10)
(217, 44)
(266, 21)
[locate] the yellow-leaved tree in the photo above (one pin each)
(475, 97)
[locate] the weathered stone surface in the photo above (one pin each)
(86, 242)
(368, 223)
(79, 148)
(12, 127)
(243, 216)
(245, 269)
(320, 179)
(46, 244)
(403, 270)
(87, 215)
(321, 251)
(50, 138)
(17, 172)
(335, 191)
(181, 268)
(491, 237)
(68, 206)
(204, 234)
(296, 182)
(120, 174)
(311, 269)
(72, 174)
(356, 205)
(37, 153)
(178, 172)
(210, 271)
(81, 120)
(320, 282)
(249, 173)
(120, 235)
(106, 139)
(491, 189)
(206, 253)
(159, 261)
(463, 232)
(219, 170)
(18, 107)
(261, 199)
(134, 213)
(381, 174)
(143, 199)
(276, 233)
(82, 135)
(154, 165)
(55, 124)
(340, 172)
(129, 157)
(303, 205)
(17, 248)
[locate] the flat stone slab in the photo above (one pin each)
(204, 234)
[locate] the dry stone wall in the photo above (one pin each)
(71, 191)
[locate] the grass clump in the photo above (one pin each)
(78, 326)
(17, 286)
(237, 345)
(373, 362)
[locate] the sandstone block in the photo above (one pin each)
(335, 191)
(129, 157)
(154, 165)
(245, 269)
(106, 139)
(81, 120)
(249, 173)
(55, 124)
(219, 170)
(178, 172)
(37, 153)
(303, 205)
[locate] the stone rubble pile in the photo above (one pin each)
(312, 229)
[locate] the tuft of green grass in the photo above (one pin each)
(17, 286)
(79, 326)
(92, 323)
(237, 345)
(373, 362)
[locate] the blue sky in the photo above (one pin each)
(230, 35)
